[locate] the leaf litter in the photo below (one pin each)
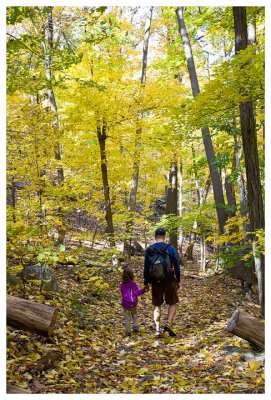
(98, 358)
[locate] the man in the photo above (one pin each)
(161, 290)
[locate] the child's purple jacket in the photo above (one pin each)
(129, 292)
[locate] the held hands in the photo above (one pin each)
(146, 287)
(178, 285)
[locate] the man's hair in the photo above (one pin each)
(127, 274)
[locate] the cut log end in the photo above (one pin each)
(233, 321)
(247, 327)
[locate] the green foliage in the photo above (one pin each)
(232, 255)
(233, 245)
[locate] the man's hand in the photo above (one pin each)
(178, 285)
(146, 287)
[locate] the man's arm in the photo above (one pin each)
(175, 260)
(146, 277)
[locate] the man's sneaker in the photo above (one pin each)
(158, 334)
(169, 329)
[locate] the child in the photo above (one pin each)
(129, 292)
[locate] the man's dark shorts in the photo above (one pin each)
(167, 291)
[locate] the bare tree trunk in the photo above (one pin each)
(51, 95)
(136, 163)
(217, 185)
(249, 138)
(202, 253)
(243, 201)
(48, 53)
(180, 236)
(172, 199)
(101, 134)
(13, 198)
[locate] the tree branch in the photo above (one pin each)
(22, 43)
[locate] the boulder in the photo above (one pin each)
(40, 273)
(136, 249)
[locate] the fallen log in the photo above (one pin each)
(17, 390)
(247, 327)
(29, 315)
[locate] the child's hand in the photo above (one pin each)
(146, 287)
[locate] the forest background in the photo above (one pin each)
(114, 135)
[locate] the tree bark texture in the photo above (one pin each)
(146, 46)
(249, 139)
(180, 236)
(207, 141)
(136, 163)
(101, 134)
(48, 50)
(29, 315)
(247, 327)
(230, 193)
(172, 199)
(11, 389)
(239, 270)
(243, 200)
(50, 91)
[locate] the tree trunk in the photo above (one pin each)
(243, 200)
(208, 145)
(202, 253)
(136, 163)
(230, 193)
(29, 315)
(172, 199)
(51, 95)
(249, 139)
(180, 236)
(101, 134)
(190, 247)
(13, 198)
(48, 53)
(247, 327)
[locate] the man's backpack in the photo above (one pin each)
(159, 263)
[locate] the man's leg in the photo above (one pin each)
(170, 316)
(171, 312)
(156, 317)
(172, 299)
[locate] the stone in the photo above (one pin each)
(136, 249)
(40, 273)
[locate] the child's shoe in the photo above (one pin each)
(136, 329)
(158, 334)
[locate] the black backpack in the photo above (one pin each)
(159, 263)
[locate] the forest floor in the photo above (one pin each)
(96, 357)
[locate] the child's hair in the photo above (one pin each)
(127, 274)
